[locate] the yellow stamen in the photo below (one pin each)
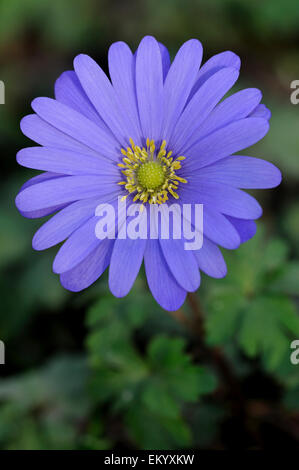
(150, 173)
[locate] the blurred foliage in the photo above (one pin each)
(47, 408)
(252, 300)
(87, 371)
(149, 389)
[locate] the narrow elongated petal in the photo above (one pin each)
(215, 63)
(181, 263)
(224, 142)
(122, 72)
(65, 222)
(46, 176)
(77, 126)
(77, 247)
(235, 107)
(90, 269)
(241, 172)
(36, 214)
(261, 111)
(165, 59)
(246, 228)
(179, 259)
(69, 91)
(164, 288)
(101, 93)
(179, 81)
(67, 162)
(149, 87)
(223, 198)
(45, 134)
(125, 264)
(83, 241)
(210, 259)
(62, 191)
(203, 102)
(218, 229)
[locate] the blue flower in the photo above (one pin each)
(155, 134)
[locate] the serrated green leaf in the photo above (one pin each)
(266, 329)
(224, 311)
(170, 362)
(159, 401)
(287, 282)
(274, 254)
(156, 432)
(167, 352)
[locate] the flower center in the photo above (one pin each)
(149, 173)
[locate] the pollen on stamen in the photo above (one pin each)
(150, 172)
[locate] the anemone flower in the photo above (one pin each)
(156, 133)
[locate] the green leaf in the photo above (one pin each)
(157, 384)
(288, 280)
(43, 409)
(267, 327)
(274, 254)
(150, 431)
(223, 318)
(158, 400)
(185, 380)
(167, 352)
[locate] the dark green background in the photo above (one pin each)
(87, 371)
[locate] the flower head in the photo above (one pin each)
(156, 134)
(151, 175)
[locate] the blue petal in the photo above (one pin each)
(67, 162)
(245, 228)
(65, 222)
(213, 65)
(77, 126)
(210, 259)
(222, 198)
(197, 110)
(235, 107)
(164, 288)
(125, 263)
(224, 142)
(35, 214)
(261, 111)
(241, 172)
(77, 247)
(149, 86)
(181, 263)
(45, 134)
(178, 83)
(61, 191)
(122, 72)
(90, 269)
(101, 93)
(69, 91)
(165, 59)
(218, 229)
